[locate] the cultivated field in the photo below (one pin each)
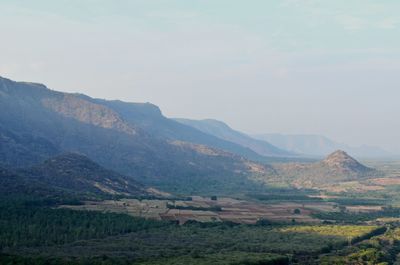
(206, 210)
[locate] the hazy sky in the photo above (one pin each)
(294, 66)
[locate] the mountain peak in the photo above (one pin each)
(338, 156)
(344, 162)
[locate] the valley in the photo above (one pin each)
(279, 205)
(176, 132)
(93, 181)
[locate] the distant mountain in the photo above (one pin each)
(223, 131)
(335, 168)
(135, 140)
(78, 174)
(319, 146)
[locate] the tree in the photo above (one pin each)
(342, 208)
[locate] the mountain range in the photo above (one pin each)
(72, 142)
(133, 139)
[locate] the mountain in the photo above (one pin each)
(335, 168)
(319, 146)
(37, 123)
(77, 173)
(223, 131)
(339, 161)
(150, 118)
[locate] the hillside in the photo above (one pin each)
(69, 176)
(76, 173)
(13, 184)
(335, 168)
(319, 146)
(339, 161)
(37, 123)
(223, 131)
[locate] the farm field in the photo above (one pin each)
(206, 210)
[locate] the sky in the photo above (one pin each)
(263, 66)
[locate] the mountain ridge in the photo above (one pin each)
(223, 131)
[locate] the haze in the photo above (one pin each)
(318, 67)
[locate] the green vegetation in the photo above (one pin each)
(297, 211)
(231, 258)
(347, 201)
(27, 224)
(30, 229)
(285, 195)
(199, 241)
(381, 249)
(353, 233)
(19, 260)
(348, 217)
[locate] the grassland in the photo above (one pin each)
(345, 231)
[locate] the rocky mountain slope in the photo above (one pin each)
(150, 118)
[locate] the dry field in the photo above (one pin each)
(233, 210)
(391, 168)
(374, 184)
(386, 181)
(352, 186)
(363, 208)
